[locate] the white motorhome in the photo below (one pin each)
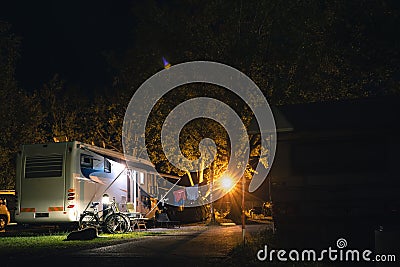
(56, 181)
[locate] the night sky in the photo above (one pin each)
(68, 38)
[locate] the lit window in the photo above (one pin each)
(107, 166)
(141, 178)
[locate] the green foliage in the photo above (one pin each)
(18, 110)
(295, 51)
(195, 131)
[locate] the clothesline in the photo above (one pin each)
(189, 193)
(162, 198)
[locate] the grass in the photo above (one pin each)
(55, 243)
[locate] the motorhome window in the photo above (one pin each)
(141, 178)
(151, 182)
(86, 161)
(107, 166)
(153, 190)
(135, 184)
(44, 166)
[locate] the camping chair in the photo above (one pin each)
(135, 218)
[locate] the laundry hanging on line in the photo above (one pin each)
(192, 192)
(179, 196)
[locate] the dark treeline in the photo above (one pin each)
(296, 52)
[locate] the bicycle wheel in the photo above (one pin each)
(116, 224)
(88, 220)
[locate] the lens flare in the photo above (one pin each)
(226, 183)
(167, 65)
(214, 73)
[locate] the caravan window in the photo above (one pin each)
(107, 166)
(86, 161)
(44, 166)
(141, 178)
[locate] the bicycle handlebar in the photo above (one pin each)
(113, 206)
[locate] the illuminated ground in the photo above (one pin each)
(186, 246)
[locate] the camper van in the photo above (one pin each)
(56, 182)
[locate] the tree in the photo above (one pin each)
(20, 114)
(70, 115)
(296, 52)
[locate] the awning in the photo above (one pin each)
(132, 161)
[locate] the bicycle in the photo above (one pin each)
(113, 222)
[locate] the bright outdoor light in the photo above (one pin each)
(106, 199)
(226, 183)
